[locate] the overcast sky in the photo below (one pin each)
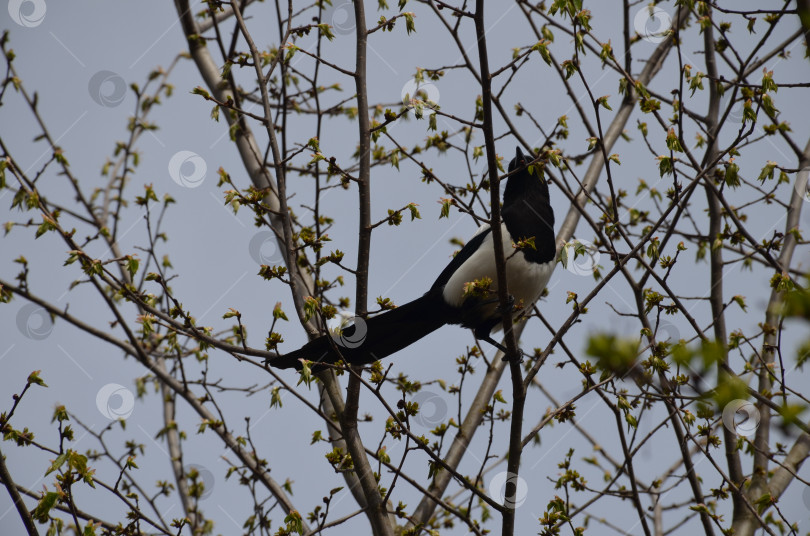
(81, 56)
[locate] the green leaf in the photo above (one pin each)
(295, 522)
(731, 177)
(44, 506)
(326, 31)
(445, 213)
(306, 375)
(696, 82)
(649, 105)
(768, 105)
(47, 225)
(569, 67)
(60, 414)
(200, 91)
(275, 397)
(34, 378)
(729, 388)
(790, 413)
(767, 171)
(310, 306)
(764, 502)
(665, 165)
(613, 354)
(278, 313)
(542, 48)
(673, 143)
(409, 25)
(58, 462)
(132, 265)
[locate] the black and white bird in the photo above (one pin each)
(526, 214)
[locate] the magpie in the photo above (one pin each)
(465, 292)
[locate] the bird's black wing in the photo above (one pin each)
(374, 338)
(460, 258)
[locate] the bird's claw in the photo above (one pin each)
(510, 304)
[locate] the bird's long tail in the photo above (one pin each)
(369, 340)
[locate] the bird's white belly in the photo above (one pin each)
(524, 280)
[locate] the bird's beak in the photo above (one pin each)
(519, 155)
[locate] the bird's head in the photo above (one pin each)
(518, 161)
(520, 176)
